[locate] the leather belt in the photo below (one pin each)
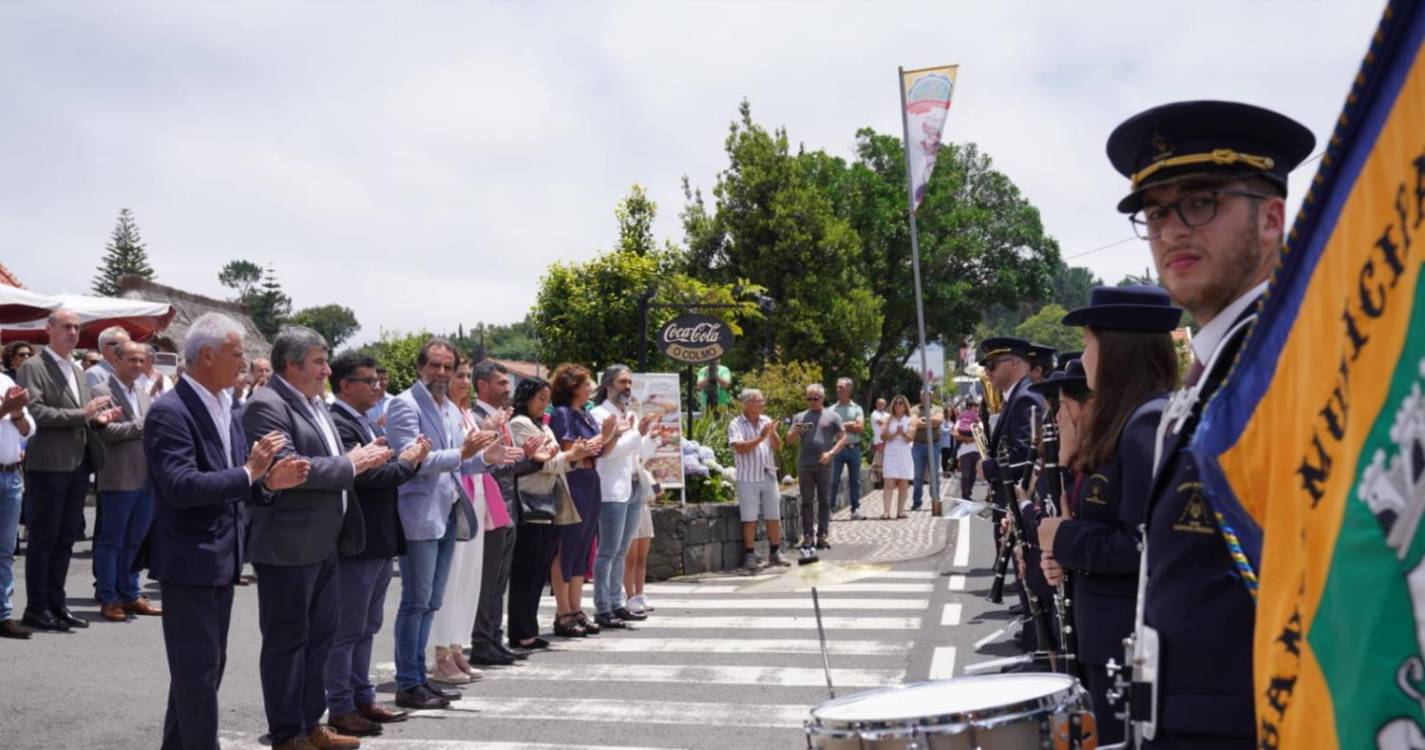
(10, 468)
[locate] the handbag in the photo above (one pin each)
(565, 514)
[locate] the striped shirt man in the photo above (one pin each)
(758, 464)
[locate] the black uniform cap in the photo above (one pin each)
(1127, 308)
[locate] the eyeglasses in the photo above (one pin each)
(369, 381)
(813, 398)
(23, 354)
(1193, 209)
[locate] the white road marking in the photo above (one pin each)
(805, 602)
(246, 741)
(942, 663)
(951, 614)
(628, 712)
(873, 588)
(790, 622)
(698, 674)
(923, 575)
(729, 646)
(962, 543)
(956, 583)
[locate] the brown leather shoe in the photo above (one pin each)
(326, 738)
(142, 606)
(114, 612)
(380, 714)
(354, 724)
(296, 743)
(13, 629)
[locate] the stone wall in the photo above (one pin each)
(706, 538)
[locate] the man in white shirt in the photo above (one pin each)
(755, 442)
(619, 478)
(15, 424)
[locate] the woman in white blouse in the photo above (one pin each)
(898, 466)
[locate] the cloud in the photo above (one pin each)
(423, 163)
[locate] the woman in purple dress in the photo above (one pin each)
(570, 386)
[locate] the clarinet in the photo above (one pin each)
(1007, 541)
(1063, 605)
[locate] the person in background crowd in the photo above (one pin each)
(571, 423)
(107, 353)
(15, 354)
(203, 478)
(968, 455)
(153, 381)
(1042, 360)
(364, 576)
(923, 453)
(822, 436)
(89, 360)
(755, 442)
(61, 453)
(635, 570)
(124, 491)
(620, 468)
(15, 425)
(538, 538)
(377, 413)
(853, 419)
(296, 540)
(899, 466)
(435, 509)
(260, 372)
(946, 440)
(878, 443)
(724, 385)
(492, 390)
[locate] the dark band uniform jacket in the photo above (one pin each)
(303, 525)
(375, 490)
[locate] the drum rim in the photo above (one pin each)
(980, 718)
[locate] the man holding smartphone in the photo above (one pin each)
(822, 436)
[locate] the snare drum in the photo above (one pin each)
(989, 712)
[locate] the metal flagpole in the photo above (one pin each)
(932, 462)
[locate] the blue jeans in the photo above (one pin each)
(126, 518)
(850, 457)
(925, 458)
(11, 489)
(363, 586)
(617, 524)
(424, 568)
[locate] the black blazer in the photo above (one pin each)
(1015, 428)
(375, 490)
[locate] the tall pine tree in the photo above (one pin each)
(125, 253)
(270, 307)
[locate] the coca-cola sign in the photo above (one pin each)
(695, 339)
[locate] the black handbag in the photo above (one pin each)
(539, 507)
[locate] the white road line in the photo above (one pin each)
(245, 741)
(669, 589)
(962, 542)
(789, 622)
(729, 646)
(628, 712)
(951, 614)
(666, 605)
(698, 675)
(873, 588)
(942, 663)
(956, 583)
(910, 574)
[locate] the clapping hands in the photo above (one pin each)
(367, 457)
(416, 452)
(15, 399)
(477, 441)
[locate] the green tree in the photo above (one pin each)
(125, 254)
(1072, 286)
(243, 277)
(1044, 328)
(334, 322)
(774, 223)
(397, 353)
(981, 243)
(1147, 279)
(268, 305)
(635, 215)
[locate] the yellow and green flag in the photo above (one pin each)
(1314, 449)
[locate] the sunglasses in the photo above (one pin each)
(813, 398)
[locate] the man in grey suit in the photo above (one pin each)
(124, 492)
(59, 457)
(111, 342)
(295, 539)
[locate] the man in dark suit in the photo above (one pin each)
(294, 541)
(365, 575)
(58, 460)
(487, 647)
(124, 491)
(203, 476)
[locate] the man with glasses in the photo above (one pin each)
(822, 436)
(111, 340)
(1207, 191)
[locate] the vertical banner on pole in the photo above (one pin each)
(926, 95)
(925, 102)
(657, 393)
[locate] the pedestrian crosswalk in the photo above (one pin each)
(715, 665)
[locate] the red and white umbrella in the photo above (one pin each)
(141, 318)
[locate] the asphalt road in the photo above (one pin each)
(718, 665)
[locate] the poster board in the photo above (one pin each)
(660, 393)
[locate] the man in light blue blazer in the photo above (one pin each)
(435, 510)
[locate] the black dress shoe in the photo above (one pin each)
(624, 614)
(486, 655)
(43, 621)
(450, 695)
(534, 645)
(420, 698)
(607, 620)
(65, 616)
(11, 629)
(517, 654)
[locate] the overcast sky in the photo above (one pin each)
(423, 163)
